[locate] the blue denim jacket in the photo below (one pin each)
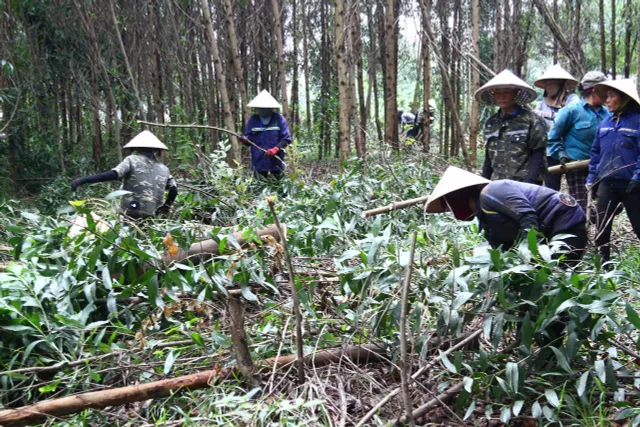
(615, 153)
(274, 134)
(507, 208)
(574, 130)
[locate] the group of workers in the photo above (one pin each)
(146, 178)
(509, 198)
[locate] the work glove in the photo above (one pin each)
(77, 183)
(273, 151)
(634, 187)
(245, 141)
(564, 160)
(164, 209)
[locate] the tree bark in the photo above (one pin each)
(305, 53)
(351, 64)
(373, 72)
(603, 36)
(497, 38)
(281, 64)
(555, 42)
(426, 89)
(239, 339)
(295, 99)
(475, 81)
(234, 158)
(613, 39)
(628, 53)
(391, 105)
(237, 61)
(343, 88)
(357, 42)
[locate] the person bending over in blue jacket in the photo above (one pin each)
(507, 210)
(615, 160)
(269, 131)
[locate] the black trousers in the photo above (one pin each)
(608, 199)
(278, 174)
(552, 181)
(577, 243)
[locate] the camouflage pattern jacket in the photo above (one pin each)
(512, 141)
(147, 179)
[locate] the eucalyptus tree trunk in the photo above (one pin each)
(343, 84)
(603, 36)
(475, 81)
(281, 65)
(555, 42)
(295, 99)
(373, 73)
(426, 89)
(305, 53)
(613, 39)
(237, 61)
(627, 40)
(357, 53)
(391, 105)
(497, 38)
(233, 157)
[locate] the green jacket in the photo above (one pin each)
(515, 146)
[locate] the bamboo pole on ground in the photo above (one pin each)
(40, 412)
(395, 206)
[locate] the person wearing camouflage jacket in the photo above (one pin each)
(144, 176)
(515, 138)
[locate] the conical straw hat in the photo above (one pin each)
(444, 197)
(264, 100)
(506, 80)
(556, 72)
(626, 86)
(146, 139)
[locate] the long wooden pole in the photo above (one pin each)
(395, 206)
(569, 167)
(40, 412)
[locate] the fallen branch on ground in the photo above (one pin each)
(204, 250)
(40, 412)
(395, 206)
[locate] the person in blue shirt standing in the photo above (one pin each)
(574, 130)
(507, 209)
(615, 160)
(558, 86)
(269, 132)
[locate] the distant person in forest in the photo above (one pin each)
(269, 131)
(506, 210)
(144, 175)
(558, 87)
(615, 160)
(573, 132)
(515, 138)
(406, 121)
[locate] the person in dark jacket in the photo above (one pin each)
(144, 175)
(506, 210)
(515, 138)
(615, 160)
(269, 131)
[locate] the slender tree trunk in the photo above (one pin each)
(357, 41)
(603, 35)
(627, 40)
(382, 44)
(576, 29)
(305, 53)
(475, 81)
(373, 72)
(156, 71)
(237, 61)
(391, 108)
(353, 101)
(555, 42)
(497, 41)
(295, 101)
(426, 57)
(281, 64)
(343, 89)
(211, 102)
(63, 109)
(234, 155)
(416, 90)
(613, 39)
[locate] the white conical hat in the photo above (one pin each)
(443, 196)
(556, 72)
(146, 139)
(264, 100)
(506, 80)
(626, 86)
